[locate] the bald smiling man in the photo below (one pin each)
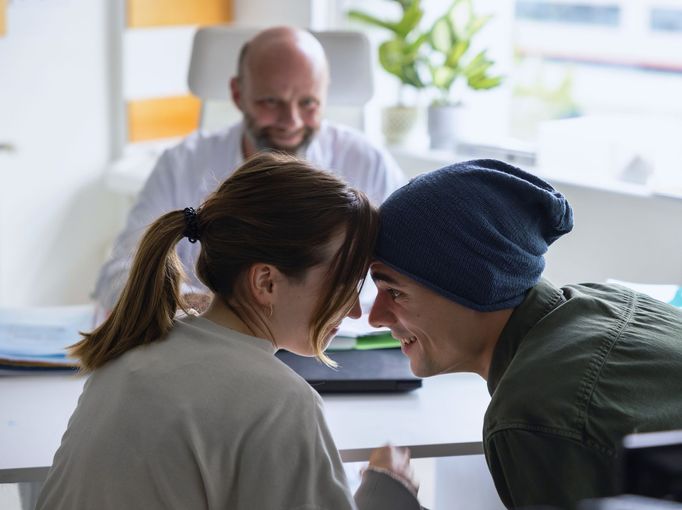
(281, 91)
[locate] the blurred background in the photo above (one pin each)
(583, 93)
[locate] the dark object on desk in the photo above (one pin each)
(359, 371)
(11, 367)
(652, 465)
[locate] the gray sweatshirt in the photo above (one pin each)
(207, 418)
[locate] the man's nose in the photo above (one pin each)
(379, 314)
(290, 116)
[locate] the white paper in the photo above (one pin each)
(42, 333)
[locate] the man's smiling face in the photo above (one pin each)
(437, 334)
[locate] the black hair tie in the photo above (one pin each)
(191, 226)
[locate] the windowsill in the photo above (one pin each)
(416, 161)
(128, 174)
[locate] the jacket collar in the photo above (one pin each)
(540, 301)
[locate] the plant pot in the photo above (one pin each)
(398, 122)
(442, 122)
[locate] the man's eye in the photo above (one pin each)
(309, 103)
(394, 293)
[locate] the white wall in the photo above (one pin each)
(263, 13)
(616, 235)
(58, 89)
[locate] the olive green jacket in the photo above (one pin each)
(575, 370)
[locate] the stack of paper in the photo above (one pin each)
(358, 334)
(37, 338)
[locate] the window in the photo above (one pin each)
(573, 13)
(666, 20)
(617, 61)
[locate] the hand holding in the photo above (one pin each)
(394, 461)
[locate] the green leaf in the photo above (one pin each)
(413, 47)
(459, 15)
(482, 82)
(411, 18)
(441, 36)
(396, 58)
(371, 20)
(443, 77)
(479, 64)
(456, 53)
(410, 76)
(391, 56)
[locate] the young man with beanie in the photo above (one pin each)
(570, 370)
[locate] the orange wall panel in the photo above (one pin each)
(3, 17)
(150, 119)
(154, 13)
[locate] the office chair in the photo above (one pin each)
(652, 465)
(650, 474)
(215, 53)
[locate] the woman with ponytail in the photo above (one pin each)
(182, 411)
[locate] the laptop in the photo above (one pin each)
(359, 371)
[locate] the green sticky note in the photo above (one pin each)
(385, 341)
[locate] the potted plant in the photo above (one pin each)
(401, 56)
(451, 61)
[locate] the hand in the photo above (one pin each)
(396, 461)
(197, 302)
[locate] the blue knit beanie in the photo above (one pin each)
(474, 232)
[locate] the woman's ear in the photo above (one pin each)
(261, 280)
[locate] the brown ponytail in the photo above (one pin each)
(149, 301)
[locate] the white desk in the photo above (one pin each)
(443, 418)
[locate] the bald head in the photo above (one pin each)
(286, 46)
(281, 88)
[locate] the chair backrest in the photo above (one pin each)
(215, 54)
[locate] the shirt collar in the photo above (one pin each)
(540, 300)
